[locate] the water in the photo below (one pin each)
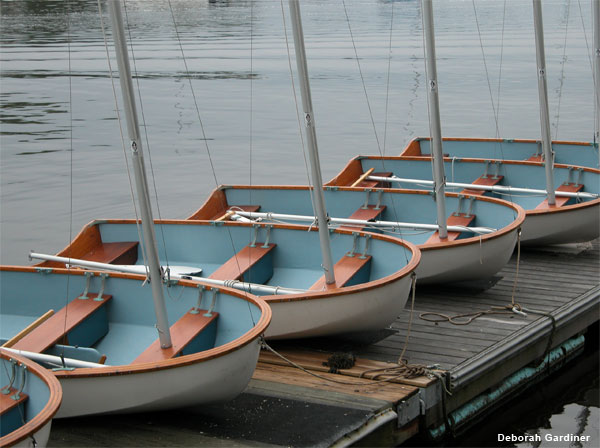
(61, 157)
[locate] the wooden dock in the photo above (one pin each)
(470, 369)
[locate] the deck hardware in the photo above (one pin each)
(13, 375)
(217, 223)
(196, 309)
(579, 176)
(354, 244)
(487, 167)
(268, 237)
(212, 304)
(497, 164)
(255, 228)
(44, 270)
(364, 254)
(103, 277)
(379, 195)
(17, 395)
(88, 279)
(471, 201)
(366, 204)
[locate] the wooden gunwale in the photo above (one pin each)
(521, 213)
(194, 358)
(564, 209)
(313, 295)
(410, 148)
(48, 411)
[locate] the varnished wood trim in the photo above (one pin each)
(47, 412)
(195, 358)
(216, 204)
(25, 331)
(348, 175)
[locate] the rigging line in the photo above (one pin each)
(562, 70)
(387, 89)
(137, 80)
(204, 138)
(500, 67)
(293, 85)
(594, 74)
(362, 78)
(70, 170)
(120, 121)
(381, 154)
(487, 75)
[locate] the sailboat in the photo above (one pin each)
(107, 336)
(316, 282)
(30, 397)
(582, 154)
(482, 237)
(569, 214)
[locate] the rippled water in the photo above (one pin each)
(62, 161)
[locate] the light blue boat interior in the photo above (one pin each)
(412, 208)
(515, 175)
(580, 155)
(31, 385)
(129, 315)
(296, 259)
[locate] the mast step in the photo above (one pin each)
(456, 219)
(350, 270)
(194, 332)
(561, 201)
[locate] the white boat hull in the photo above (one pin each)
(463, 262)
(214, 380)
(352, 312)
(572, 225)
(41, 437)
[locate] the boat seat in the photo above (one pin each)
(192, 333)
(535, 158)
(81, 323)
(350, 270)
(255, 263)
(561, 200)
(488, 180)
(225, 215)
(456, 219)
(124, 252)
(375, 183)
(11, 410)
(364, 214)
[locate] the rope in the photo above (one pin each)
(387, 87)
(120, 121)
(294, 94)
(137, 80)
(562, 70)
(512, 308)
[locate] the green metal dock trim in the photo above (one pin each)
(523, 378)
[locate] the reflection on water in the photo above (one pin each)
(49, 109)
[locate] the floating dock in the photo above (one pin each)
(467, 369)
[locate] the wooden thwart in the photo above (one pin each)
(456, 219)
(54, 330)
(483, 180)
(114, 253)
(239, 264)
(373, 183)
(561, 200)
(344, 270)
(182, 333)
(364, 214)
(7, 403)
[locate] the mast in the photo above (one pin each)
(596, 13)
(434, 119)
(311, 137)
(141, 184)
(543, 94)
